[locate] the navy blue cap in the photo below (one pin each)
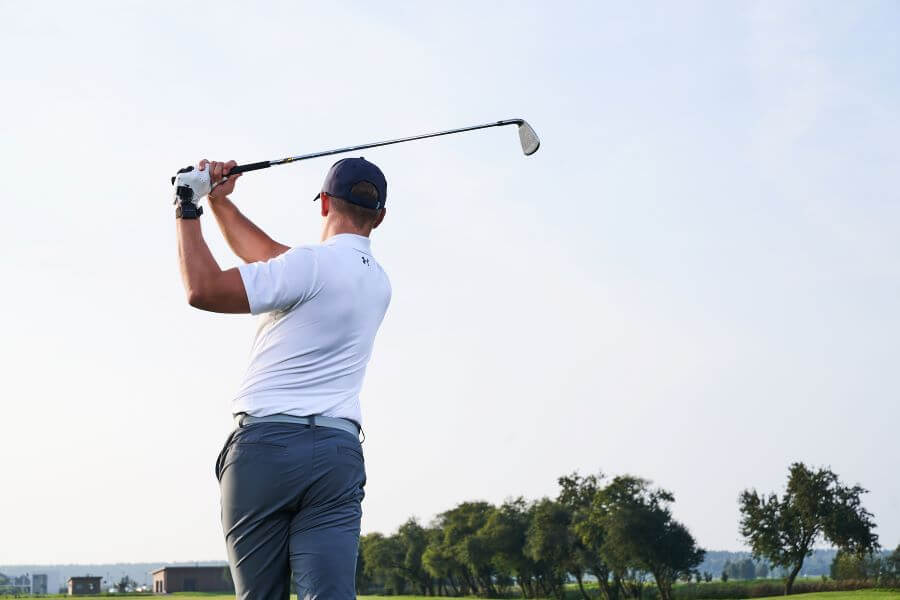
(346, 173)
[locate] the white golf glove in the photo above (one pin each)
(191, 185)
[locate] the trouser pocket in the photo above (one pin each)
(221, 457)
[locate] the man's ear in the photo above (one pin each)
(326, 203)
(380, 218)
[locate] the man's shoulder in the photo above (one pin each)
(299, 259)
(301, 247)
(301, 251)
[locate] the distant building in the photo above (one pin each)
(84, 586)
(39, 584)
(192, 579)
(17, 585)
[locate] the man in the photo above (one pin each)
(291, 474)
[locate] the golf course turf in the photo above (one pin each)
(854, 595)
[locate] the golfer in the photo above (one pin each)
(291, 474)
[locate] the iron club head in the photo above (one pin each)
(529, 139)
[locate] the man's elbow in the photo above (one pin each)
(223, 294)
(217, 300)
(198, 298)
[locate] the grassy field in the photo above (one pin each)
(857, 595)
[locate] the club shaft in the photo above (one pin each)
(268, 163)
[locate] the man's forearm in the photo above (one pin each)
(246, 240)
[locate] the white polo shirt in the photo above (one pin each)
(322, 305)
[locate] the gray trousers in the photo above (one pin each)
(291, 502)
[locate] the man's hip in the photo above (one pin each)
(351, 427)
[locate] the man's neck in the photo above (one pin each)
(332, 228)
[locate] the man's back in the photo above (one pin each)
(323, 304)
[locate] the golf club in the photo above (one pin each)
(527, 137)
(193, 185)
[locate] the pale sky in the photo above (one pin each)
(695, 279)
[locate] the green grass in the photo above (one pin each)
(855, 595)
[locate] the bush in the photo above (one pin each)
(760, 589)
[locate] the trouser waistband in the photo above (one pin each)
(243, 419)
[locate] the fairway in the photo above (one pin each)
(857, 595)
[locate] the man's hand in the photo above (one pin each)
(218, 172)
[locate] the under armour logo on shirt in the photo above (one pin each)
(365, 261)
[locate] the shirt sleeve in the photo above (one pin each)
(282, 282)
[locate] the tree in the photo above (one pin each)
(363, 581)
(578, 494)
(850, 566)
(728, 569)
(397, 562)
(413, 539)
(124, 585)
(627, 578)
(746, 569)
(742, 569)
(815, 506)
(551, 543)
(441, 565)
(383, 560)
(507, 528)
(890, 575)
(657, 544)
(458, 553)
(724, 575)
(642, 537)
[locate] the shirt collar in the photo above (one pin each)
(352, 240)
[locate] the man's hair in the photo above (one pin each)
(360, 216)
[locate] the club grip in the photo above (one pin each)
(250, 167)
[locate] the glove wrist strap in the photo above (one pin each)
(188, 210)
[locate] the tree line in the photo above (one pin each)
(744, 569)
(618, 532)
(881, 568)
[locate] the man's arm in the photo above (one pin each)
(208, 287)
(247, 240)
